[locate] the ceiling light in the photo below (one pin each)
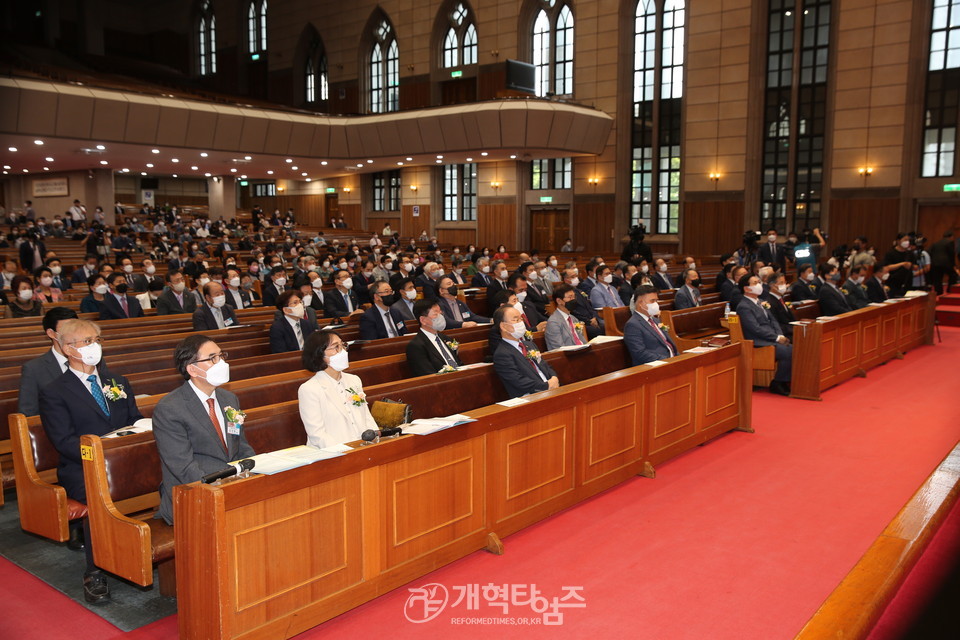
(289, 160)
(46, 168)
(154, 150)
(101, 147)
(174, 159)
(469, 159)
(439, 161)
(174, 175)
(203, 154)
(295, 168)
(194, 168)
(359, 165)
(143, 173)
(247, 158)
(149, 165)
(484, 154)
(38, 142)
(400, 164)
(304, 174)
(243, 177)
(323, 163)
(513, 157)
(269, 173)
(206, 174)
(12, 149)
(48, 159)
(125, 170)
(103, 162)
(309, 179)
(439, 157)
(234, 170)
(5, 172)
(6, 166)
(26, 170)
(369, 161)
(409, 159)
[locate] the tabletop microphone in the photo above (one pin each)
(372, 434)
(226, 472)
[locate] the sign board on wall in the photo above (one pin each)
(416, 211)
(51, 187)
(147, 196)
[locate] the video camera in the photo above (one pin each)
(638, 232)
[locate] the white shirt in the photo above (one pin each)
(83, 379)
(388, 322)
(297, 329)
(216, 407)
(235, 294)
(61, 360)
(218, 316)
(432, 337)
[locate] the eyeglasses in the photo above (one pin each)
(84, 343)
(337, 348)
(215, 358)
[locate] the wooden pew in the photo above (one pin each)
(689, 326)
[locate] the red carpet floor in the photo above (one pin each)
(741, 538)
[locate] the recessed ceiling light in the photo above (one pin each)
(174, 175)
(295, 168)
(439, 161)
(513, 157)
(323, 163)
(309, 179)
(484, 154)
(154, 150)
(243, 177)
(369, 161)
(207, 175)
(143, 173)
(203, 154)
(469, 159)
(409, 159)
(12, 149)
(48, 159)
(439, 157)
(38, 142)
(6, 166)
(103, 162)
(234, 170)
(101, 147)
(149, 165)
(46, 168)
(269, 173)
(26, 170)
(194, 168)
(289, 160)
(247, 158)
(5, 172)
(359, 165)
(400, 163)
(304, 174)
(125, 170)
(174, 159)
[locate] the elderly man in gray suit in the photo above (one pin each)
(198, 427)
(563, 328)
(37, 373)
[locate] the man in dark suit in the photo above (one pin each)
(275, 285)
(37, 373)
(214, 313)
(805, 288)
(647, 339)
(32, 251)
(141, 281)
(406, 297)
(778, 306)
(770, 253)
(176, 298)
(517, 284)
(117, 304)
(77, 403)
(536, 293)
(877, 289)
(497, 284)
(456, 312)
(583, 310)
(380, 321)
(855, 290)
(363, 280)
(689, 294)
(430, 350)
(832, 300)
(482, 278)
(60, 281)
(342, 301)
(290, 328)
(661, 279)
(759, 325)
(237, 297)
(518, 362)
(192, 425)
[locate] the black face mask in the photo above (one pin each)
(388, 299)
(572, 304)
(452, 290)
(695, 283)
(121, 288)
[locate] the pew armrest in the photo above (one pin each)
(121, 545)
(42, 505)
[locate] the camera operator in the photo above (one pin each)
(637, 249)
(921, 263)
(899, 264)
(809, 246)
(747, 253)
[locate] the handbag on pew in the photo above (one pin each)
(717, 341)
(390, 413)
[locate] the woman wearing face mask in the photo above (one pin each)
(98, 287)
(501, 253)
(290, 327)
(332, 403)
(45, 291)
(22, 303)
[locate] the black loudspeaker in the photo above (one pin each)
(150, 183)
(521, 76)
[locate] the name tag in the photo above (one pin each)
(400, 325)
(233, 429)
(466, 314)
(228, 322)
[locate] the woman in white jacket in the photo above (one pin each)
(333, 407)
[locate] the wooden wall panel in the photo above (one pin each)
(411, 226)
(458, 237)
(497, 224)
(935, 219)
(594, 227)
(377, 224)
(307, 208)
(351, 215)
(711, 228)
(161, 199)
(876, 218)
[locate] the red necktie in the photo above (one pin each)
(216, 423)
(656, 330)
(573, 330)
(523, 350)
(124, 306)
(525, 321)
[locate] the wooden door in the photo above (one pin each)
(933, 220)
(550, 228)
(331, 208)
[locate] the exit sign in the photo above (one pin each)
(244, 183)
(456, 74)
(951, 187)
(331, 189)
(255, 57)
(546, 198)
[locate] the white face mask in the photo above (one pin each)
(905, 244)
(150, 270)
(342, 265)
(388, 266)
(326, 264)
(100, 288)
(662, 268)
(607, 279)
(218, 374)
(771, 238)
(856, 280)
(296, 312)
(340, 361)
(486, 269)
(574, 282)
(755, 289)
(644, 269)
(653, 309)
(46, 281)
(90, 354)
(280, 281)
(810, 276)
(439, 323)
(885, 276)
(56, 270)
(367, 274)
(128, 268)
(408, 266)
(347, 284)
(307, 299)
(234, 282)
(203, 281)
(179, 287)
(693, 265)
(521, 296)
(543, 273)
(219, 301)
(26, 295)
(781, 289)
(553, 263)
(411, 294)
(502, 275)
(517, 330)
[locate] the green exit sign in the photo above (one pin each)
(331, 189)
(546, 198)
(456, 74)
(951, 187)
(255, 57)
(244, 183)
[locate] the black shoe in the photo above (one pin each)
(95, 587)
(779, 388)
(75, 543)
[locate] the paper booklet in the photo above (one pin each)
(285, 459)
(143, 425)
(423, 426)
(574, 347)
(602, 339)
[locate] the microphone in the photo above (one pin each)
(226, 472)
(372, 434)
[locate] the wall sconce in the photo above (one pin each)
(865, 172)
(715, 176)
(279, 188)
(346, 189)
(495, 185)
(413, 187)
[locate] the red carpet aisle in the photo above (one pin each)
(742, 538)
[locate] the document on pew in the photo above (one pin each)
(471, 290)
(698, 350)
(656, 363)
(602, 339)
(142, 425)
(892, 300)
(513, 402)
(331, 327)
(876, 304)
(475, 365)
(826, 318)
(914, 294)
(573, 347)
(423, 426)
(337, 448)
(285, 459)
(237, 326)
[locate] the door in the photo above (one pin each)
(933, 220)
(331, 208)
(550, 228)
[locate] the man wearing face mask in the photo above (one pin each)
(430, 350)
(236, 296)
(517, 284)
(689, 294)
(142, 280)
(806, 287)
(877, 289)
(855, 289)
(759, 325)
(342, 301)
(406, 297)
(770, 253)
(832, 300)
(277, 284)
(384, 270)
(517, 361)
(214, 313)
(194, 435)
(603, 293)
(583, 310)
(56, 271)
(85, 399)
(536, 290)
(482, 267)
(42, 370)
(456, 312)
(563, 329)
(380, 321)
(176, 299)
(428, 280)
(117, 304)
(148, 299)
(646, 337)
(290, 326)
(661, 279)
(899, 266)
(778, 306)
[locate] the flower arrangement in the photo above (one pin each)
(765, 305)
(447, 369)
(527, 335)
(234, 416)
(663, 328)
(357, 399)
(114, 391)
(579, 327)
(453, 345)
(533, 354)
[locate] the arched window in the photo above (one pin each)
(384, 79)
(460, 43)
(658, 58)
(257, 27)
(316, 82)
(940, 113)
(552, 47)
(206, 40)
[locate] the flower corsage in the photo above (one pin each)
(114, 391)
(663, 327)
(453, 345)
(579, 327)
(527, 335)
(234, 416)
(765, 305)
(357, 399)
(447, 369)
(533, 354)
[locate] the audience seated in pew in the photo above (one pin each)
(583, 310)
(118, 303)
(646, 337)
(854, 288)
(214, 313)
(779, 307)
(563, 329)
(237, 296)
(762, 328)
(289, 331)
(275, 284)
(877, 289)
(380, 321)
(456, 311)
(517, 361)
(603, 293)
(406, 296)
(22, 303)
(37, 373)
(342, 301)
(148, 299)
(176, 298)
(198, 427)
(805, 288)
(430, 350)
(832, 300)
(689, 294)
(86, 398)
(332, 404)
